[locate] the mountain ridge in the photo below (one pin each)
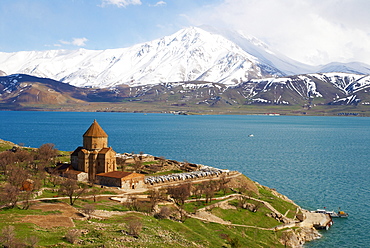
(191, 54)
(292, 94)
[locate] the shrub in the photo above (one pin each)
(164, 213)
(73, 236)
(134, 227)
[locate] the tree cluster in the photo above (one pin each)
(8, 239)
(23, 171)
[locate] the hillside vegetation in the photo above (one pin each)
(229, 211)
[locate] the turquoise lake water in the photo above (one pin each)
(316, 161)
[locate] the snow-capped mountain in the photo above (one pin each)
(263, 52)
(354, 67)
(303, 90)
(191, 54)
(322, 88)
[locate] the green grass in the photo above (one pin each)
(192, 207)
(12, 217)
(63, 157)
(110, 232)
(278, 203)
(5, 145)
(6, 212)
(246, 217)
(48, 194)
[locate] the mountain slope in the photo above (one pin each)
(303, 91)
(354, 67)
(191, 54)
(263, 52)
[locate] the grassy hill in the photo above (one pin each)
(241, 214)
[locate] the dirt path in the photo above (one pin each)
(204, 215)
(63, 216)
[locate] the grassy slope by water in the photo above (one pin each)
(112, 231)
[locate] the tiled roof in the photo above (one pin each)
(121, 174)
(63, 167)
(105, 150)
(74, 172)
(95, 131)
(75, 152)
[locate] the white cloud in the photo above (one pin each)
(120, 3)
(79, 41)
(307, 30)
(75, 42)
(160, 3)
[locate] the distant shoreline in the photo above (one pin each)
(342, 114)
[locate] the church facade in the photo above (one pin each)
(94, 157)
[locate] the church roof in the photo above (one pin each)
(95, 131)
(105, 150)
(121, 174)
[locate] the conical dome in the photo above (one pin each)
(95, 130)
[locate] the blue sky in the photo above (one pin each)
(93, 24)
(311, 31)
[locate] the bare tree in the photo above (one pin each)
(223, 181)
(134, 227)
(37, 183)
(198, 191)
(23, 156)
(32, 241)
(11, 195)
(155, 196)
(209, 190)
(138, 164)
(164, 213)
(71, 189)
(95, 192)
(26, 196)
(54, 178)
(132, 203)
(7, 237)
(41, 173)
(6, 158)
(121, 162)
(17, 175)
(88, 210)
(47, 152)
(73, 236)
(180, 193)
(141, 155)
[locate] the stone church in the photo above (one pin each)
(94, 157)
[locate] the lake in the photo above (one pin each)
(315, 161)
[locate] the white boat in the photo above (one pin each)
(339, 214)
